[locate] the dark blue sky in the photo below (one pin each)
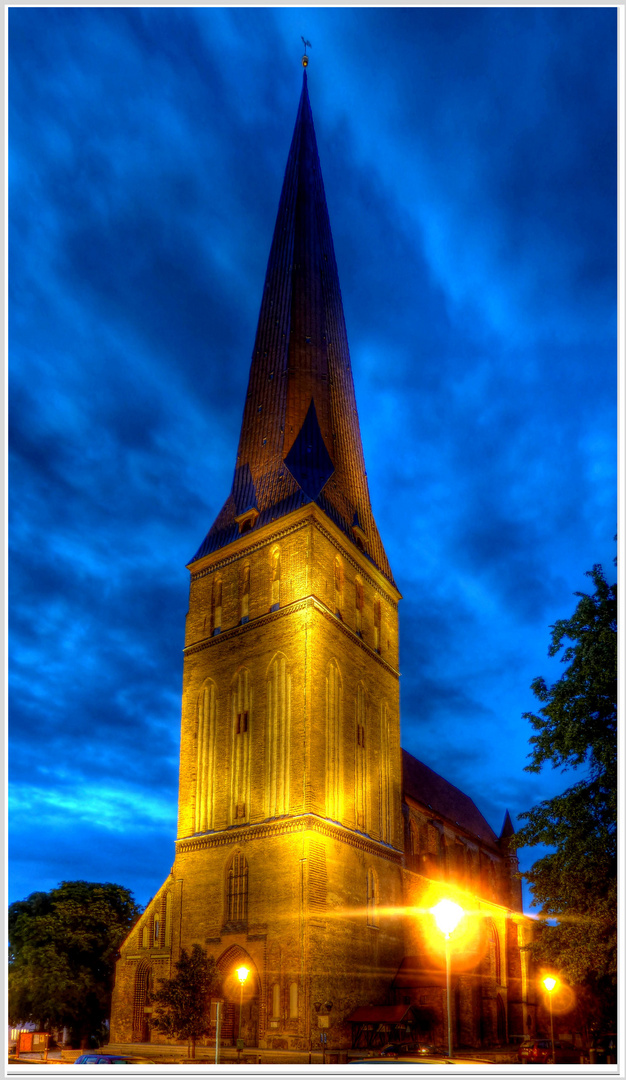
(469, 158)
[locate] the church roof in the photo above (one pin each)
(425, 786)
(300, 440)
(508, 829)
(378, 1014)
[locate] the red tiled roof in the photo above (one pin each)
(378, 1014)
(425, 786)
(412, 974)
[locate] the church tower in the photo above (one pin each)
(310, 849)
(290, 829)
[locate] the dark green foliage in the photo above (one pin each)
(183, 1003)
(576, 728)
(63, 947)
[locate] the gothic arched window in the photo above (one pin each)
(143, 988)
(237, 890)
(333, 741)
(384, 778)
(358, 599)
(245, 594)
(278, 737)
(205, 758)
(168, 919)
(377, 624)
(216, 606)
(240, 699)
(293, 1001)
(360, 760)
(275, 1001)
(275, 583)
(494, 942)
(338, 587)
(372, 898)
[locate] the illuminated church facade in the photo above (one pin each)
(310, 846)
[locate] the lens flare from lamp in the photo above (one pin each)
(242, 974)
(447, 915)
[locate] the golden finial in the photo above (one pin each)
(307, 44)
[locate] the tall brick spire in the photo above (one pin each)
(300, 440)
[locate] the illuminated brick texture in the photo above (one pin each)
(309, 846)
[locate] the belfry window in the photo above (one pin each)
(338, 588)
(245, 593)
(216, 604)
(275, 589)
(377, 624)
(237, 890)
(358, 600)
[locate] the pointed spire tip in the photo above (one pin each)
(305, 59)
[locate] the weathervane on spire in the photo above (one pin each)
(305, 59)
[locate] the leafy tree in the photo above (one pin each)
(63, 947)
(576, 728)
(183, 1003)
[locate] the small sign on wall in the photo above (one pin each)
(323, 1021)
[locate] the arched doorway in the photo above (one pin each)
(235, 999)
(143, 988)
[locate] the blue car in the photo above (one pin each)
(98, 1058)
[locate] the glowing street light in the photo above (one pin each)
(448, 916)
(551, 984)
(242, 975)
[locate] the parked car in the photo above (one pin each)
(97, 1058)
(606, 1049)
(393, 1050)
(539, 1052)
(420, 1059)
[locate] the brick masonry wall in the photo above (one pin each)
(290, 748)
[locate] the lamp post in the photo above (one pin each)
(242, 975)
(551, 984)
(448, 916)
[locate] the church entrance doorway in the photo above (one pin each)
(141, 1009)
(240, 1001)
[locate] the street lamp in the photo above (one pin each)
(551, 984)
(242, 975)
(448, 916)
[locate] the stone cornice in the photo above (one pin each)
(241, 552)
(253, 624)
(272, 616)
(349, 557)
(146, 954)
(319, 606)
(313, 516)
(308, 822)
